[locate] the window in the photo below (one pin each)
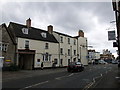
(38, 60)
(61, 61)
(25, 30)
(49, 57)
(74, 52)
(61, 39)
(55, 61)
(46, 56)
(61, 51)
(26, 44)
(43, 35)
(46, 45)
(74, 42)
(3, 47)
(68, 40)
(68, 52)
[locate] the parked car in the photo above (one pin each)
(102, 62)
(114, 62)
(75, 66)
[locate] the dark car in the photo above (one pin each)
(75, 66)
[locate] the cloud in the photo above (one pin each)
(66, 17)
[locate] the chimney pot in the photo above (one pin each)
(50, 29)
(80, 33)
(28, 23)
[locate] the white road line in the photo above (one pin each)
(34, 85)
(58, 78)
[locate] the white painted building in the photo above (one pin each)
(34, 46)
(50, 47)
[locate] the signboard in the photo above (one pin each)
(111, 35)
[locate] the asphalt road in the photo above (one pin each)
(61, 78)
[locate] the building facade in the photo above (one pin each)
(35, 46)
(7, 46)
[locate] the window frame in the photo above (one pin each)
(27, 44)
(46, 45)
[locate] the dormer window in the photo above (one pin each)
(43, 35)
(25, 30)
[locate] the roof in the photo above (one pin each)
(33, 33)
(9, 32)
(63, 34)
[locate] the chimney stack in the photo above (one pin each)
(28, 23)
(50, 29)
(80, 33)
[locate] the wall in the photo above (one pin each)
(39, 46)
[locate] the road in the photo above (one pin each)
(61, 79)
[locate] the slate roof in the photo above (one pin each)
(63, 34)
(33, 33)
(9, 32)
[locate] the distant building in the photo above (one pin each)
(93, 55)
(107, 55)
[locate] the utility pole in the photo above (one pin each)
(116, 8)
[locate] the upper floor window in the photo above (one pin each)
(46, 46)
(61, 51)
(3, 47)
(61, 39)
(43, 35)
(74, 42)
(68, 40)
(74, 52)
(25, 30)
(26, 44)
(68, 52)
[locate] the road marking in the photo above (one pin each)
(58, 78)
(117, 77)
(34, 85)
(93, 82)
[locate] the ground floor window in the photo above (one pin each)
(68, 61)
(47, 57)
(61, 61)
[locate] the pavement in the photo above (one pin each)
(109, 80)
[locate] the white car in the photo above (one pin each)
(102, 62)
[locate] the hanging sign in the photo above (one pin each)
(111, 35)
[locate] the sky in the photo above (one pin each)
(66, 17)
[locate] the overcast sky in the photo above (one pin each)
(66, 17)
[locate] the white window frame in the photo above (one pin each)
(46, 45)
(3, 46)
(27, 43)
(61, 39)
(61, 51)
(68, 52)
(68, 40)
(25, 30)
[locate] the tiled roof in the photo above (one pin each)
(33, 33)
